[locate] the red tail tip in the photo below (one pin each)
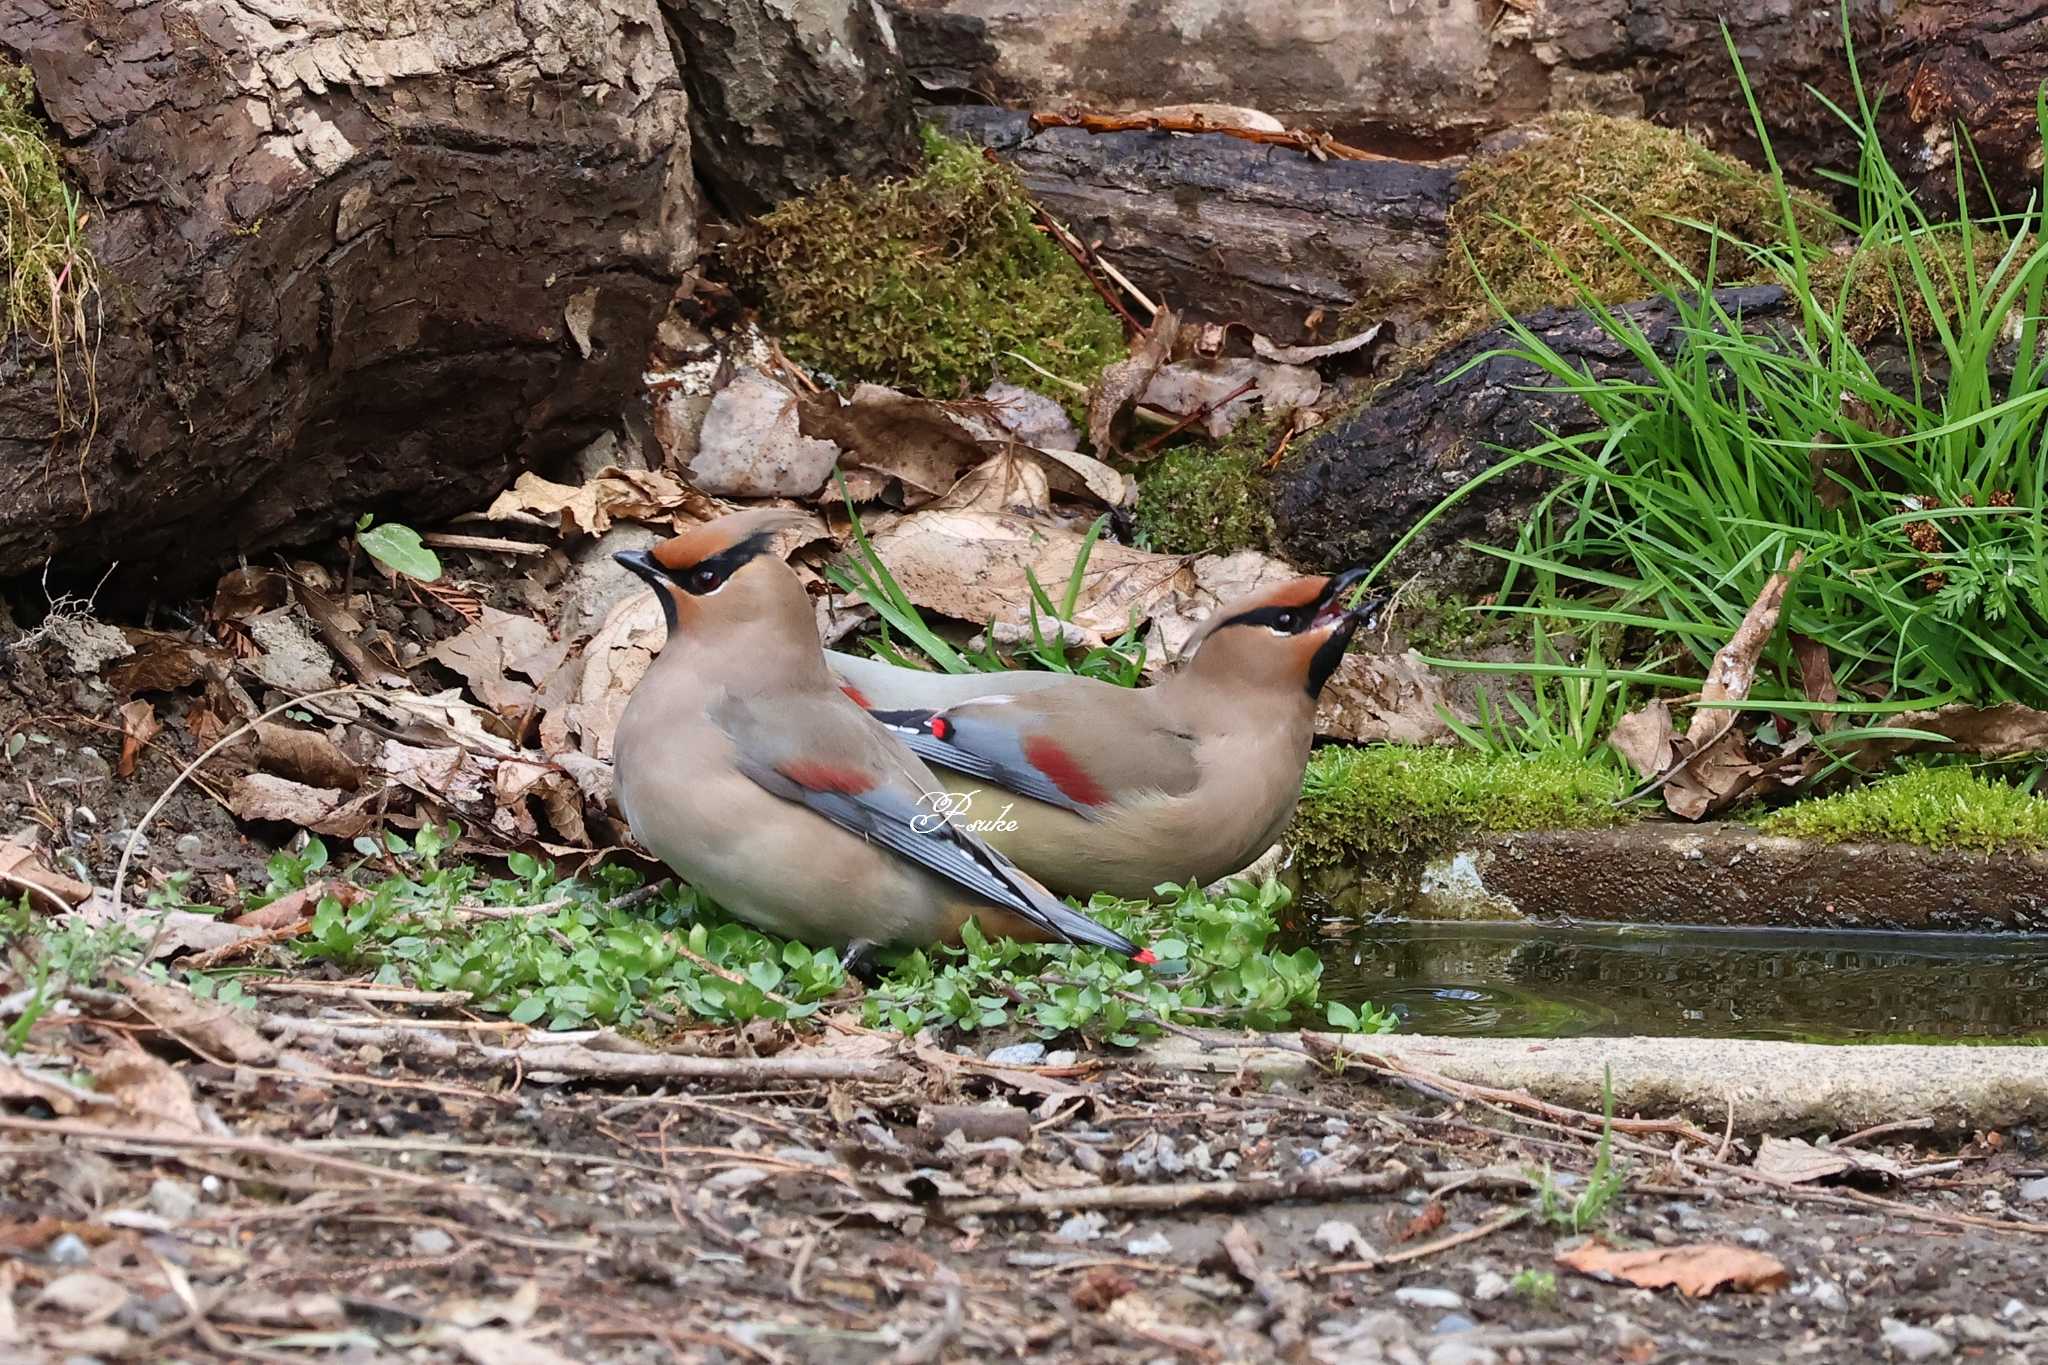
(1145, 957)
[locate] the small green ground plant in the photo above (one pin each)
(1389, 801)
(1938, 808)
(923, 282)
(1590, 1206)
(565, 953)
(1204, 499)
(47, 269)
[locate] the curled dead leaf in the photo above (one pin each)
(1800, 1162)
(1122, 381)
(1694, 1270)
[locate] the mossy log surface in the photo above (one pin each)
(1227, 228)
(1363, 481)
(352, 260)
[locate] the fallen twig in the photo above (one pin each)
(1185, 1194)
(452, 540)
(1422, 1250)
(573, 1059)
(1881, 1129)
(1315, 144)
(259, 1147)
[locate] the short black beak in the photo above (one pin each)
(642, 563)
(1340, 587)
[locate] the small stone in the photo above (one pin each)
(173, 1199)
(1464, 1353)
(1339, 1238)
(1908, 1342)
(2034, 1191)
(1490, 1285)
(2016, 1312)
(1979, 1331)
(69, 1249)
(745, 1140)
(1828, 1297)
(1082, 1227)
(1155, 1245)
(432, 1242)
(1066, 1056)
(1450, 1324)
(1429, 1296)
(188, 845)
(1018, 1054)
(210, 1184)
(1753, 1236)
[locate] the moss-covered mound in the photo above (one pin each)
(924, 282)
(1933, 807)
(1877, 290)
(45, 268)
(1389, 800)
(1203, 499)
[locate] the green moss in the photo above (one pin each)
(1198, 499)
(1542, 221)
(46, 272)
(1933, 807)
(1880, 296)
(924, 282)
(1388, 800)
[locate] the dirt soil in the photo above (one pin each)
(381, 1179)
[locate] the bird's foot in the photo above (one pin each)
(860, 964)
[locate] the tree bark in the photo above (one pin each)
(1430, 79)
(1365, 480)
(355, 259)
(1230, 229)
(785, 97)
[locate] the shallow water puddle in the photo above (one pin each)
(1524, 980)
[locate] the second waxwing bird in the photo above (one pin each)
(1094, 787)
(743, 766)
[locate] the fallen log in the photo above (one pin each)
(1366, 479)
(1431, 80)
(1228, 228)
(350, 258)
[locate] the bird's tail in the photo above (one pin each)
(1056, 917)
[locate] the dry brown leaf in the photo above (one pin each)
(24, 867)
(1695, 1270)
(138, 727)
(2005, 731)
(1226, 390)
(207, 1026)
(489, 653)
(18, 1085)
(610, 667)
(1734, 669)
(1120, 382)
(163, 663)
(1031, 417)
(1816, 675)
(85, 1294)
(294, 906)
(1384, 699)
(305, 756)
(243, 593)
(1644, 738)
(148, 1095)
(266, 796)
(756, 443)
(1800, 1162)
(496, 1346)
(922, 445)
(972, 565)
(614, 494)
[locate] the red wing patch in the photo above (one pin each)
(826, 777)
(940, 727)
(1062, 771)
(859, 697)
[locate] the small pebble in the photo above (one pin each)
(1338, 1237)
(1429, 1296)
(210, 1184)
(188, 845)
(1082, 1227)
(2015, 1311)
(1829, 1298)
(1753, 1237)
(1463, 1353)
(1155, 1245)
(1018, 1054)
(68, 1249)
(1450, 1324)
(432, 1242)
(173, 1199)
(745, 1140)
(1908, 1342)
(2035, 1191)
(1066, 1056)
(1490, 1285)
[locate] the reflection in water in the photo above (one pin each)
(1526, 980)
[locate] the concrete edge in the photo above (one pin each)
(1771, 1087)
